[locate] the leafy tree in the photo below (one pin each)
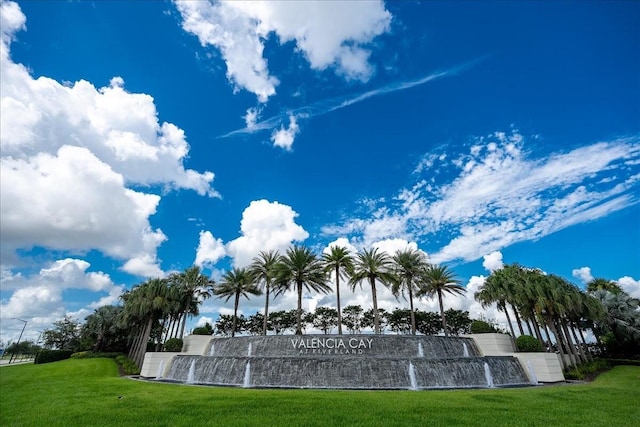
(236, 283)
(352, 318)
(65, 335)
(225, 324)
(409, 268)
(281, 321)
(325, 319)
(400, 320)
(369, 316)
(458, 321)
(372, 266)
(436, 281)
(300, 269)
(255, 324)
(340, 263)
(263, 268)
(428, 322)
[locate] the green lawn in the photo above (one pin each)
(88, 392)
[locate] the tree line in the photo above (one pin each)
(549, 307)
(354, 318)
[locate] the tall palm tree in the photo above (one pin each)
(439, 279)
(495, 290)
(263, 270)
(236, 283)
(409, 268)
(144, 305)
(340, 263)
(374, 266)
(192, 286)
(300, 268)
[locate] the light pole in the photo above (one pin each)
(19, 338)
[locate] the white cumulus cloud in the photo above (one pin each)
(328, 34)
(265, 226)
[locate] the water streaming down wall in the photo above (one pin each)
(346, 362)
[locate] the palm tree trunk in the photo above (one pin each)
(235, 315)
(578, 345)
(580, 358)
(444, 320)
(338, 300)
(558, 339)
(299, 312)
(376, 318)
(584, 343)
(186, 314)
(518, 321)
(266, 308)
(503, 305)
(413, 314)
(528, 323)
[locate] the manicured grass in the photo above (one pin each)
(88, 392)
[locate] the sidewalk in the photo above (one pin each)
(5, 362)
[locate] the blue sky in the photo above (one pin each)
(140, 138)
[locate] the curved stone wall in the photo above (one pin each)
(346, 362)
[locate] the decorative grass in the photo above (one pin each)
(89, 392)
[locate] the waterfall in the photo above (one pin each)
(192, 372)
(465, 350)
(487, 375)
(532, 373)
(412, 377)
(211, 350)
(249, 350)
(420, 350)
(247, 375)
(160, 370)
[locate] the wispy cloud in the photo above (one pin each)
(498, 194)
(333, 104)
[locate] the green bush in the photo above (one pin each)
(527, 343)
(207, 329)
(94, 355)
(173, 344)
(482, 327)
(587, 370)
(47, 356)
(128, 366)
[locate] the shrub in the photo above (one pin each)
(527, 343)
(128, 366)
(207, 329)
(46, 356)
(173, 344)
(94, 355)
(587, 370)
(482, 327)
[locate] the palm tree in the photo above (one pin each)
(438, 279)
(263, 270)
(495, 290)
(340, 263)
(373, 266)
(409, 266)
(603, 284)
(144, 305)
(300, 268)
(192, 286)
(236, 283)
